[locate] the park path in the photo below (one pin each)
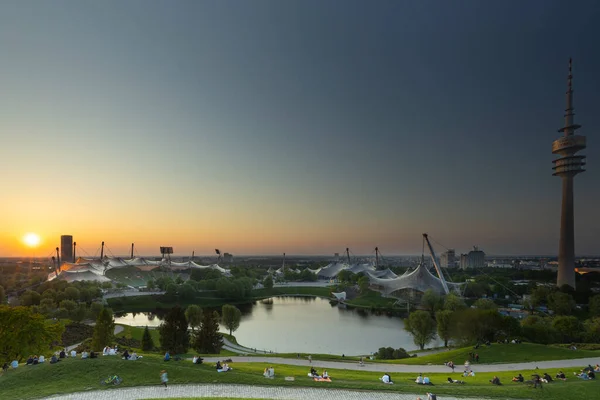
(241, 391)
(236, 348)
(380, 367)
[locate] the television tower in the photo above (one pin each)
(567, 166)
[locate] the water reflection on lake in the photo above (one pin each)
(307, 325)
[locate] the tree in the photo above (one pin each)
(150, 285)
(72, 293)
(539, 296)
(569, 328)
(173, 332)
(421, 326)
(561, 303)
(23, 332)
(444, 325)
(194, 316)
(594, 305)
(104, 330)
(473, 325)
(30, 298)
(208, 340)
(268, 282)
(363, 284)
(485, 304)
(147, 342)
(453, 303)
(432, 301)
(231, 317)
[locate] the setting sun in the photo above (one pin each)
(31, 239)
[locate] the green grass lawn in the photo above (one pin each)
(73, 375)
(501, 353)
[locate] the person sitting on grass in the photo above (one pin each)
(561, 376)
(518, 378)
(93, 354)
(386, 378)
(591, 374)
(126, 355)
(325, 374)
(314, 372)
(167, 356)
(218, 365)
(450, 380)
(547, 378)
(495, 381)
(419, 379)
(54, 359)
(5, 367)
(29, 361)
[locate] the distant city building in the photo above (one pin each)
(464, 261)
(476, 258)
(448, 259)
(228, 257)
(66, 248)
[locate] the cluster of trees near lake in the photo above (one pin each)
(449, 318)
(24, 331)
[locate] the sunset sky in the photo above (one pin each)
(305, 127)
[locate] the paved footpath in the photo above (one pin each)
(377, 367)
(241, 391)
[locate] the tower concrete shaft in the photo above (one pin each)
(567, 166)
(566, 247)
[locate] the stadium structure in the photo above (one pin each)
(95, 269)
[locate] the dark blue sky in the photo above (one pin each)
(298, 126)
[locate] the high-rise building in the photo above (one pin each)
(66, 248)
(476, 258)
(464, 261)
(566, 167)
(448, 259)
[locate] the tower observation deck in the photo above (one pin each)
(567, 166)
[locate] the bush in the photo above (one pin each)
(128, 343)
(388, 353)
(75, 333)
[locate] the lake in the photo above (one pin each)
(307, 325)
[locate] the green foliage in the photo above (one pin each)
(30, 298)
(103, 330)
(561, 303)
(72, 293)
(95, 309)
(538, 330)
(68, 305)
(389, 353)
(569, 328)
(592, 330)
(75, 332)
(2, 296)
(147, 342)
(421, 326)
(187, 291)
(268, 282)
(208, 340)
(23, 332)
(444, 325)
(193, 315)
(205, 274)
(432, 301)
(594, 305)
(363, 284)
(173, 332)
(485, 304)
(234, 289)
(231, 317)
(453, 303)
(539, 296)
(473, 325)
